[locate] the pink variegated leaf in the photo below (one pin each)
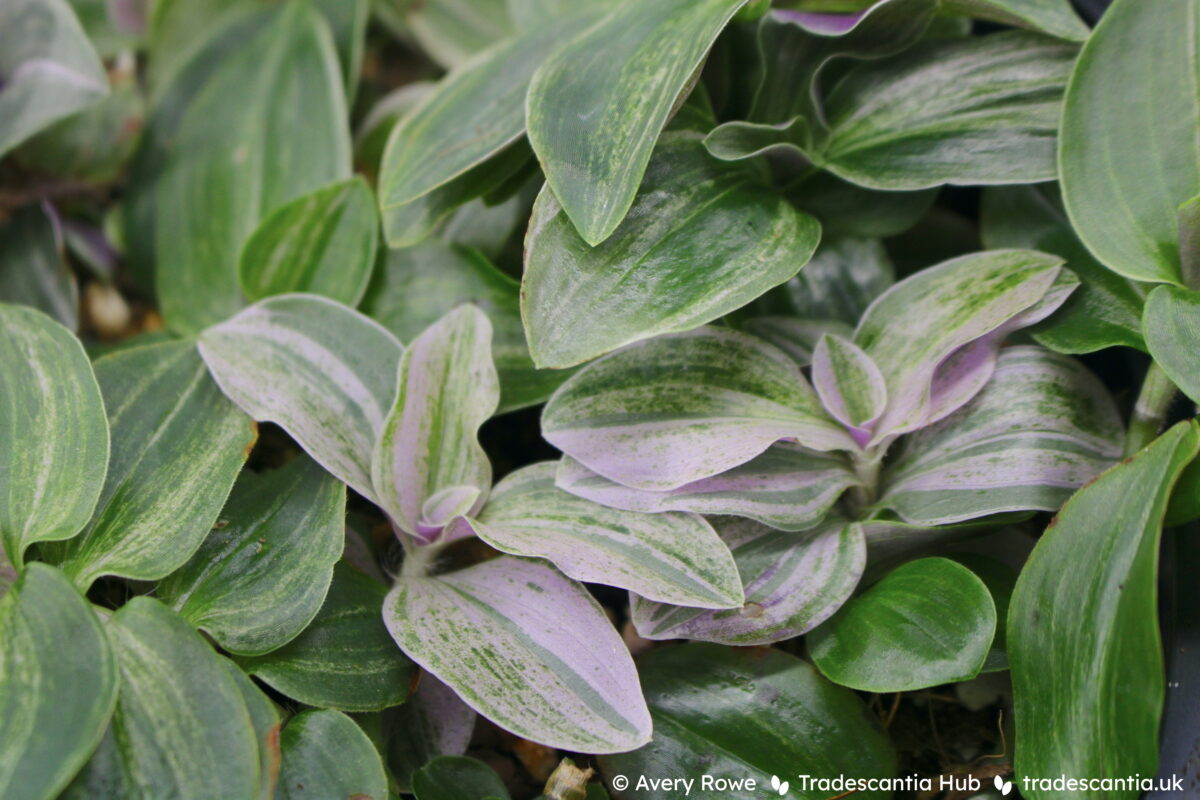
(849, 384)
(428, 466)
(527, 648)
(787, 487)
(793, 583)
(668, 411)
(1041, 428)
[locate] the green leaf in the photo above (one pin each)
(1172, 328)
(177, 697)
(58, 684)
(1128, 144)
(432, 722)
(750, 713)
(323, 243)
(325, 755)
(48, 69)
(265, 717)
(345, 658)
(1106, 309)
(1055, 17)
(597, 105)
(428, 465)
(960, 111)
(458, 778)
(261, 575)
(323, 372)
(928, 622)
(1083, 640)
(208, 169)
(846, 209)
(703, 239)
(794, 582)
(415, 286)
(177, 446)
(54, 452)
(672, 557)
(451, 31)
(33, 270)
(849, 384)
(347, 20)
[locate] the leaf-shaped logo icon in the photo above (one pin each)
(775, 782)
(1002, 785)
(783, 788)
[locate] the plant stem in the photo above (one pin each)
(1150, 410)
(866, 467)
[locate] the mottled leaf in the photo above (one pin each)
(261, 575)
(325, 755)
(33, 270)
(54, 452)
(850, 385)
(928, 622)
(58, 683)
(666, 412)
(495, 634)
(177, 446)
(323, 372)
(1083, 640)
(323, 243)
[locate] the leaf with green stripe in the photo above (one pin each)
(261, 575)
(58, 683)
(751, 713)
(326, 755)
(1128, 145)
(928, 622)
(668, 411)
(597, 104)
(323, 372)
(794, 582)
(177, 697)
(850, 385)
(671, 557)
(703, 238)
(177, 447)
(1083, 639)
(345, 658)
(323, 243)
(415, 286)
(54, 446)
(563, 680)
(209, 169)
(975, 110)
(1041, 428)
(49, 68)
(428, 465)
(786, 487)
(33, 267)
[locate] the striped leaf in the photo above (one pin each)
(210, 168)
(597, 105)
(970, 110)
(672, 557)
(50, 69)
(935, 335)
(54, 452)
(1041, 428)
(58, 684)
(794, 582)
(1172, 327)
(33, 267)
(323, 372)
(428, 465)
(527, 648)
(261, 575)
(786, 487)
(323, 243)
(415, 286)
(850, 385)
(326, 755)
(344, 659)
(1083, 642)
(665, 412)
(1055, 17)
(1128, 144)
(177, 696)
(928, 622)
(703, 239)
(177, 447)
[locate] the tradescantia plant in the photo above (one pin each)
(528, 398)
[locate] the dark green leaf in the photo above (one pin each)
(33, 270)
(457, 778)
(325, 755)
(1172, 328)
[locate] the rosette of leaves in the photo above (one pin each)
(916, 422)
(514, 634)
